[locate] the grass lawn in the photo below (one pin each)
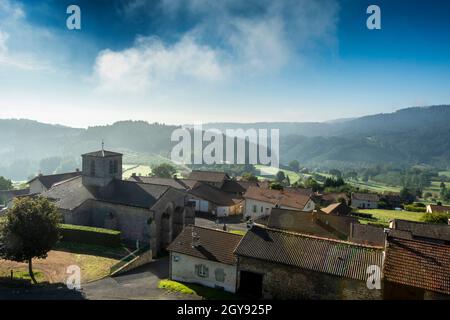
(240, 232)
(94, 261)
(381, 216)
(374, 186)
(22, 276)
(190, 288)
(140, 170)
(267, 171)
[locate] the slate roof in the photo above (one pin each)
(282, 198)
(49, 180)
(422, 229)
(72, 193)
(102, 154)
(339, 258)
(181, 184)
(208, 176)
(212, 194)
(418, 263)
(214, 245)
(365, 197)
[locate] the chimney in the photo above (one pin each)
(133, 174)
(77, 170)
(195, 239)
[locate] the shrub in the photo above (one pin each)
(439, 217)
(415, 208)
(90, 235)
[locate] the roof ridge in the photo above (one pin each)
(429, 243)
(217, 230)
(304, 235)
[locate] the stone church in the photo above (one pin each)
(98, 197)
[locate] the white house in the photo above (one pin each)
(260, 201)
(205, 256)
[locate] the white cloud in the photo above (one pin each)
(150, 62)
(223, 45)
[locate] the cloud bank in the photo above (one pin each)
(229, 40)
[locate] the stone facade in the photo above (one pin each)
(99, 171)
(287, 282)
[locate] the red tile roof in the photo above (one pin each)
(214, 245)
(419, 264)
(289, 199)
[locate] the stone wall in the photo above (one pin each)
(287, 282)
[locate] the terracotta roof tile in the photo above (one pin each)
(418, 263)
(214, 245)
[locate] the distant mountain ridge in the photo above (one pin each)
(407, 136)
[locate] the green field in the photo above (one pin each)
(381, 216)
(140, 170)
(270, 172)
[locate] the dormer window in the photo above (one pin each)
(93, 168)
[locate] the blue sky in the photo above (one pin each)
(181, 61)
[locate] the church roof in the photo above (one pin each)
(102, 154)
(72, 193)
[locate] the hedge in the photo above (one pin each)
(90, 235)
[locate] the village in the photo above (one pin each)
(211, 235)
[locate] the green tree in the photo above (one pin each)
(276, 186)
(29, 231)
(164, 170)
(406, 196)
(294, 165)
(247, 176)
(280, 176)
(5, 184)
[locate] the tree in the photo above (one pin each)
(276, 186)
(29, 231)
(247, 176)
(335, 173)
(294, 165)
(280, 176)
(5, 184)
(407, 196)
(164, 170)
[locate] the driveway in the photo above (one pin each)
(232, 222)
(138, 284)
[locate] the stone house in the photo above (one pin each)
(42, 183)
(364, 200)
(213, 178)
(431, 232)
(277, 264)
(433, 208)
(150, 214)
(204, 256)
(259, 201)
(338, 209)
(209, 199)
(313, 223)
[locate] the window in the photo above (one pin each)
(254, 208)
(201, 270)
(220, 275)
(262, 209)
(111, 167)
(176, 258)
(93, 168)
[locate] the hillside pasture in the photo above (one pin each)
(381, 216)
